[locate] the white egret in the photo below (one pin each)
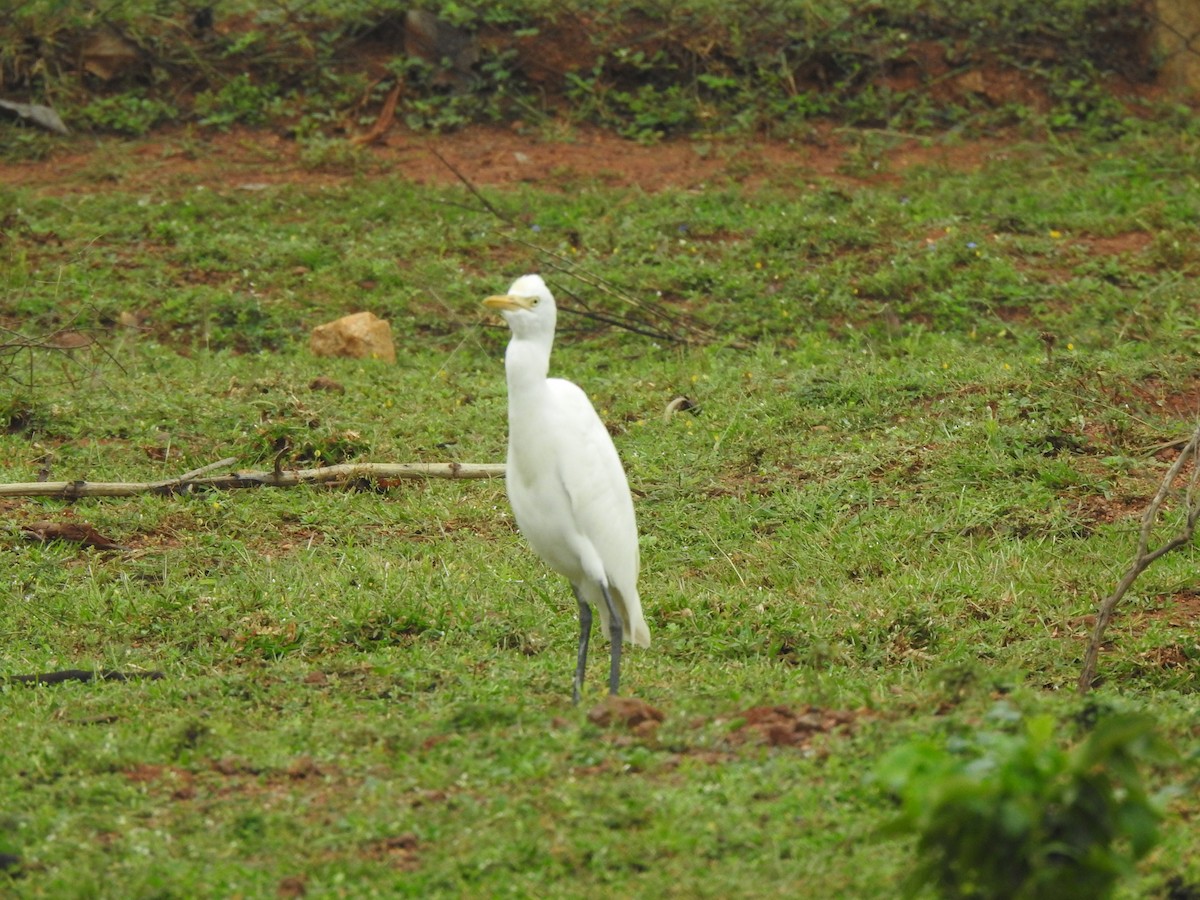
(565, 482)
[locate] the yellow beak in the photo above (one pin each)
(508, 302)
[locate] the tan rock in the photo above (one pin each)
(360, 336)
(1177, 33)
(107, 55)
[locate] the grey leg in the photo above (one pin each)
(615, 631)
(585, 632)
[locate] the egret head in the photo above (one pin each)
(528, 307)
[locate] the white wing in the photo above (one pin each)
(571, 499)
(595, 481)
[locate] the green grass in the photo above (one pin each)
(893, 502)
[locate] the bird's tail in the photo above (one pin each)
(636, 630)
(634, 626)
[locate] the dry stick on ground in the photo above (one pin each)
(347, 473)
(1145, 556)
(387, 118)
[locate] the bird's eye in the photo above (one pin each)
(534, 301)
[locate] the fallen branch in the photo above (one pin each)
(387, 118)
(190, 481)
(1145, 556)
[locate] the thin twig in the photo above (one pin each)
(277, 465)
(728, 558)
(346, 473)
(471, 187)
(625, 324)
(568, 267)
(1145, 556)
(188, 476)
(677, 329)
(12, 343)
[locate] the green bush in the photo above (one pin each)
(239, 100)
(1011, 814)
(652, 70)
(131, 113)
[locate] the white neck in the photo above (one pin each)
(526, 364)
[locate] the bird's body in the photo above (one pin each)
(600, 539)
(565, 482)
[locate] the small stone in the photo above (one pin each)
(360, 336)
(971, 82)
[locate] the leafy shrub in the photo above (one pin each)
(239, 100)
(652, 70)
(130, 114)
(1011, 814)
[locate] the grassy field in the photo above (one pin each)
(936, 403)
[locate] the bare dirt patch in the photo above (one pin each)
(782, 726)
(1179, 610)
(1178, 613)
(232, 777)
(636, 715)
(1177, 398)
(1101, 510)
(397, 852)
(1182, 400)
(251, 160)
(1127, 244)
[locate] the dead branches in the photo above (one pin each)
(1145, 555)
(77, 352)
(648, 319)
(345, 474)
